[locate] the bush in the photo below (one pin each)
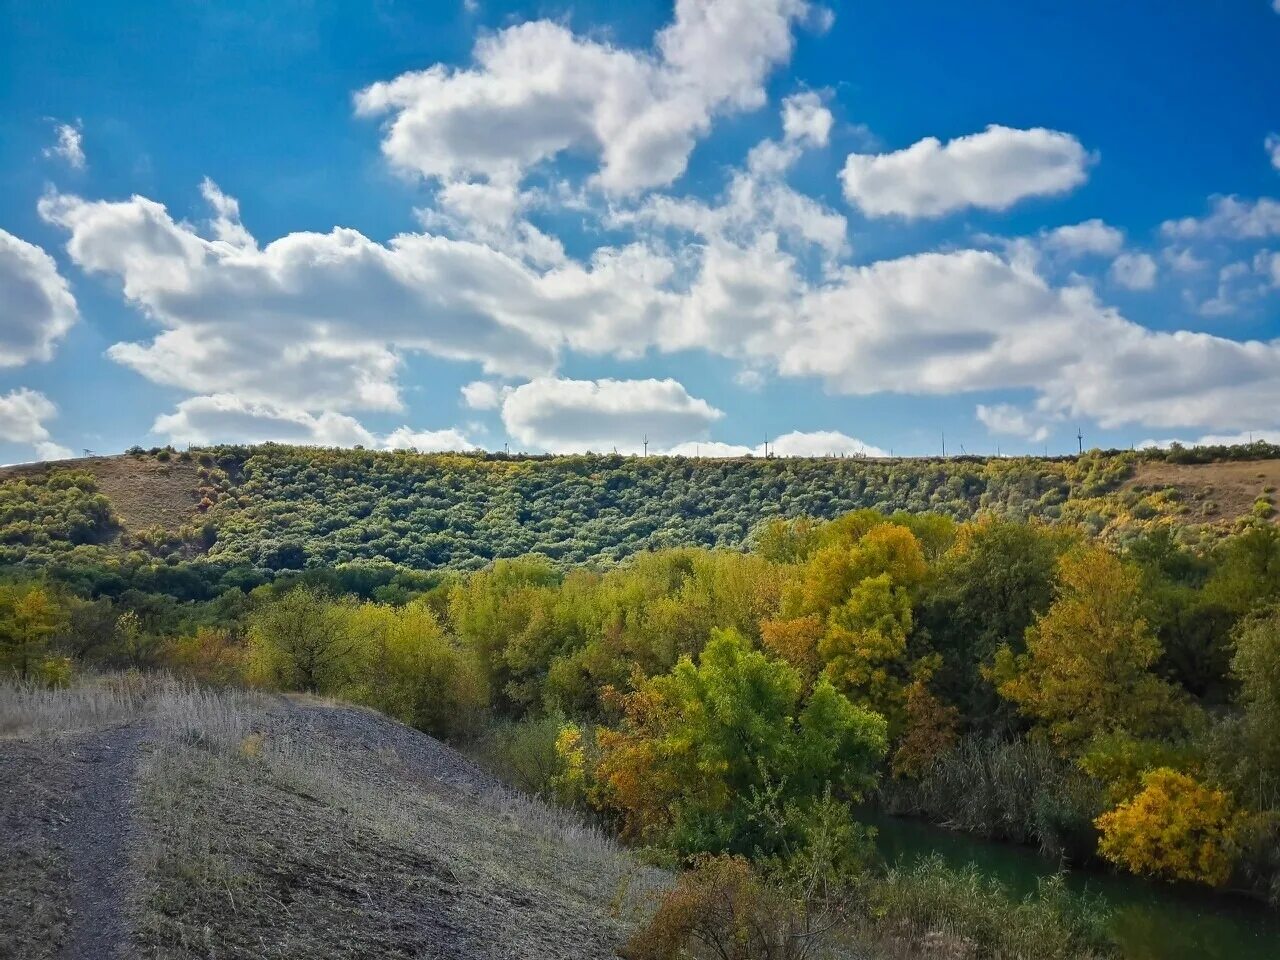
(1175, 828)
(929, 902)
(723, 909)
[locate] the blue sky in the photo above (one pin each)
(569, 225)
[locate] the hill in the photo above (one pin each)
(148, 818)
(273, 507)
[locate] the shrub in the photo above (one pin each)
(1174, 828)
(928, 902)
(722, 908)
(1016, 790)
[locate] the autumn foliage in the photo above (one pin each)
(1175, 828)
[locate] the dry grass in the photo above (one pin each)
(1215, 491)
(30, 711)
(272, 837)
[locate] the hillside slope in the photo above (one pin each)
(274, 507)
(158, 820)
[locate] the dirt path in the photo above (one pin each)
(66, 830)
(98, 837)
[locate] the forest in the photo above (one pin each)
(983, 648)
(1000, 663)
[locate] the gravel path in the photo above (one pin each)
(100, 831)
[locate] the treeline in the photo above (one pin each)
(258, 511)
(1017, 679)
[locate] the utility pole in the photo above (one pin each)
(646, 444)
(944, 444)
(1079, 441)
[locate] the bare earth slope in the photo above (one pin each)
(1223, 491)
(143, 492)
(272, 827)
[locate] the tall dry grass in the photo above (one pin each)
(29, 710)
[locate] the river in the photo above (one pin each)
(1150, 921)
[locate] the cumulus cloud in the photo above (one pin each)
(822, 443)
(991, 170)
(1229, 218)
(1134, 271)
(68, 145)
(428, 441)
(797, 443)
(224, 418)
(22, 416)
(536, 89)
(1272, 145)
(36, 305)
(483, 395)
(972, 320)
(1267, 264)
(806, 120)
(569, 416)
(320, 320)
(1082, 239)
(757, 208)
(1008, 419)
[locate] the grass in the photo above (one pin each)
(28, 710)
(930, 909)
(1016, 790)
(279, 839)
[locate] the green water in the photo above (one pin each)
(1150, 921)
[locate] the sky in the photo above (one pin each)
(692, 227)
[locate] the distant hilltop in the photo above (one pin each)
(274, 507)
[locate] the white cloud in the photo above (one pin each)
(22, 416)
(992, 170)
(749, 379)
(1007, 419)
(536, 90)
(428, 441)
(797, 443)
(482, 395)
(971, 320)
(1080, 239)
(1134, 271)
(568, 416)
(806, 120)
(319, 321)
(758, 207)
(1216, 439)
(1272, 145)
(713, 449)
(1230, 218)
(36, 305)
(1183, 260)
(226, 418)
(822, 443)
(69, 145)
(1267, 264)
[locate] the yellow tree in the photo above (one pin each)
(1174, 828)
(28, 619)
(1087, 666)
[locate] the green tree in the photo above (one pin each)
(701, 739)
(298, 641)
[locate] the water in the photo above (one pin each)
(1150, 921)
